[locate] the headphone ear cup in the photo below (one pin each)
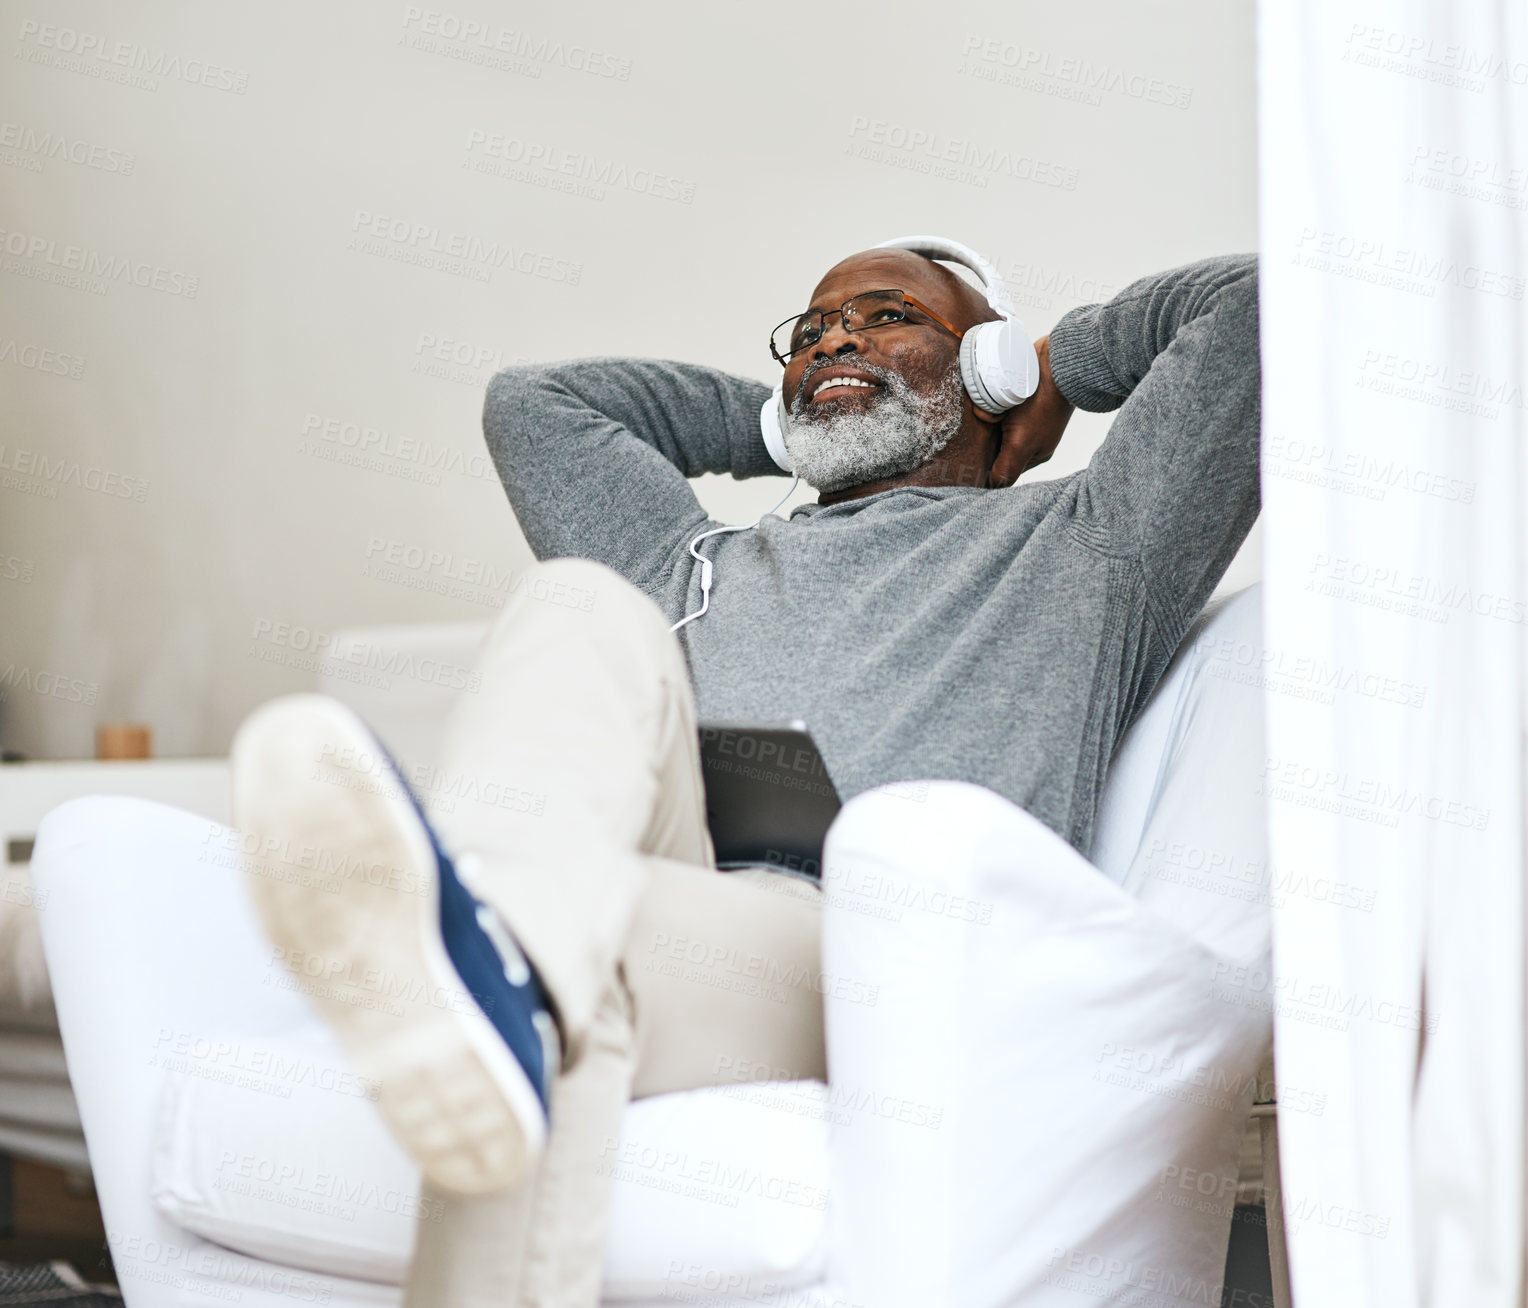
(773, 420)
(971, 374)
(999, 365)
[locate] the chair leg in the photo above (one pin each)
(1273, 1205)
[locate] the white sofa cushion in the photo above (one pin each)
(1084, 1067)
(274, 1149)
(727, 1184)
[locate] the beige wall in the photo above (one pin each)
(240, 175)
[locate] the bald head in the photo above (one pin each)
(939, 287)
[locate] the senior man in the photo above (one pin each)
(926, 617)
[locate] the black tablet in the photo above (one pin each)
(769, 798)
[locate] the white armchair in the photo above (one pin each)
(232, 1150)
(39, 1119)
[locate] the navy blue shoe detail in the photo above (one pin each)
(498, 976)
(504, 985)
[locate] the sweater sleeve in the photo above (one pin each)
(1175, 483)
(594, 454)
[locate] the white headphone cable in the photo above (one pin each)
(705, 563)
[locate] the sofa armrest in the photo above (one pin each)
(158, 965)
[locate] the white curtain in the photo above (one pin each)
(1394, 213)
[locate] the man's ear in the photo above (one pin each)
(980, 414)
(991, 419)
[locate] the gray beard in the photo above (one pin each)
(900, 430)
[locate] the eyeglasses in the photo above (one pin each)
(861, 313)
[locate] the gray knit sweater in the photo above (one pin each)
(1005, 637)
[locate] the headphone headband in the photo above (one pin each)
(941, 247)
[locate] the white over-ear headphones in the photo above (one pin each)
(998, 363)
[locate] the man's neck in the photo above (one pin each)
(940, 472)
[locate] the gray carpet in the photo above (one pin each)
(50, 1284)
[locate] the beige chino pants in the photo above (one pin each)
(581, 730)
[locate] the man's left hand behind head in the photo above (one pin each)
(1031, 432)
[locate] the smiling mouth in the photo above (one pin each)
(837, 387)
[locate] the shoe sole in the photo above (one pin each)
(370, 957)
